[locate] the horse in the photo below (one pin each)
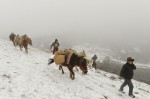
(26, 41)
(89, 61)
(23, 41)
(75, 60)
(12, 37)
(81, 54)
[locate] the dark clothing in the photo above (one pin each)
(94, 58)
(55, 46)
(127, 71)
(55, 50)
(94, 65)
(130, 84)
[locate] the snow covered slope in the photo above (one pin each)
(27, 76)
(102, 53)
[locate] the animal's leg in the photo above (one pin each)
(72, 75)
(26, 48)
(61, 68)
(20, 47)
(62, 71)
(14, 43)
(77, 68)
(17, 44)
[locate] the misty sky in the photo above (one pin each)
(85, 20)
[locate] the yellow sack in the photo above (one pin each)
(60, 52)
(59, 59)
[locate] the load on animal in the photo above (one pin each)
(70, 58)
(21, 41)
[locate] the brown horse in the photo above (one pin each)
(75, 60)
(12, 37)
(26, 41)
(23, 41)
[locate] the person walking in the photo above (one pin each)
(94, 58)
(127, 74)
(55, 46)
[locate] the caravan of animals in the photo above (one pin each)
(22, 41)
(68, 57)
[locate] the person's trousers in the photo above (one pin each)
(55, 50)
(94, 65)
(130, 84)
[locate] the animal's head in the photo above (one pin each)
(12, 36)
(83, 65)
(29, 41)
(89, 62)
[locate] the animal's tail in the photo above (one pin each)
(50, 61)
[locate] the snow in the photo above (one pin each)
(100, 52)
(103, 53)
(27, 76)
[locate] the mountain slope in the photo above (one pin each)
(103, 53)
(27, 76)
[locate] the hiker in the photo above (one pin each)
(127, 74)
(94, 58)
(55, 46)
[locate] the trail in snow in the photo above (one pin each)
(27, 76)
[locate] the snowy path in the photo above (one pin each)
(27, 76)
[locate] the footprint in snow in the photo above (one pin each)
(120, 94)
(113, 86)
(113, 78)
(89, 88)
(36, 91)
(23, 96)
(2, 88)
(136, 93)
(36, 63)
(6, 76)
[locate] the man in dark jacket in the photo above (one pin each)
(55, 46)
(127, 74)
(94, 58)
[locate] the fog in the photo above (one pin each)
(115, 24)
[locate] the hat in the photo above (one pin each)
(130, 59)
